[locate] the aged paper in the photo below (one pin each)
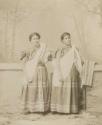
(49, 18)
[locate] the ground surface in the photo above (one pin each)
(84, 118)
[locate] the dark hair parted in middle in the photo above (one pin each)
(65, 34)
(34, 34)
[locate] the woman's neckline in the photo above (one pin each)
(65, 50)
(67, 47)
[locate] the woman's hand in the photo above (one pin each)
(29, 80)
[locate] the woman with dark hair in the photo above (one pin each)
(35, 93)
(66, 78)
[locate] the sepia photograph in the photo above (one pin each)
(50, 62)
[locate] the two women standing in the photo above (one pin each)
(65, 91)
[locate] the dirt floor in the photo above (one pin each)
(83, 118)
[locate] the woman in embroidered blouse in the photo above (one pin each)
(66, 78)
(35, 93)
